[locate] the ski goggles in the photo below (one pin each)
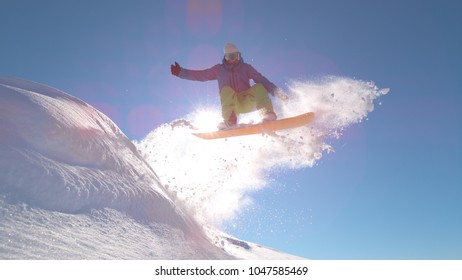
(233, 56)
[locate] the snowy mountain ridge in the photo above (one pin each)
(60, 138)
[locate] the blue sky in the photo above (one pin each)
(392, 189)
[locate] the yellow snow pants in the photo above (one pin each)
(254, 98)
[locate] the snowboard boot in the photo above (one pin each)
(227, 124)
(269, 117)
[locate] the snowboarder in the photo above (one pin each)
(236, 94)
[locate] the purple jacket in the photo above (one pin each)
(235, 76)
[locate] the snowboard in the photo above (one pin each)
(265, 127)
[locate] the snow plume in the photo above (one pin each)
(215, 178)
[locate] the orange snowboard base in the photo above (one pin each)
(265, 127)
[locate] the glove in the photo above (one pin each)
(281, 95)
(175, 69)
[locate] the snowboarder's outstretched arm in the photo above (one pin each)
(270, 87)
(195, 75)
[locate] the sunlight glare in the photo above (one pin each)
(206, 119)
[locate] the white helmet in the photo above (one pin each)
(232, 54)
(230, 48)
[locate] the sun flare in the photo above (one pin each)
(206, 119)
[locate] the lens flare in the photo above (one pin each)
(206, 119)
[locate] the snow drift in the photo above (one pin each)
(61, 154)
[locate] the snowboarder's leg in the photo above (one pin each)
(262, 100)
(228, 101)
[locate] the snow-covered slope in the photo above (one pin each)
(72, 186)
